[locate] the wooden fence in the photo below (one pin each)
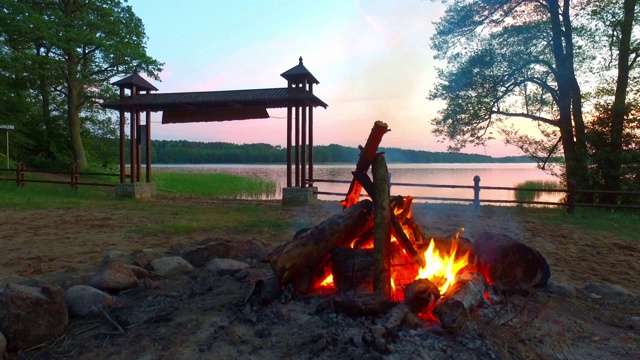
(73, 176)
(569, 202)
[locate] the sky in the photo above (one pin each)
(371, 57)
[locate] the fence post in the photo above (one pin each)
(571, 198)
(476, 192)
(74, 176)
(20, 175)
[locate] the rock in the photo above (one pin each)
(561, 289)
(139, 272)
(3, 345)
(508, 264)
(10, 279)
(199, 256)
(635, 322)
(170, 264)
(248, 250)
(225, 266)
(83, 300)
(143, 258)
(116, 276)
(605, 290)
(115, 255)
(376, 337)
(30, 316)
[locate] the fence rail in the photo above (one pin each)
(570, 199)
(74, 176)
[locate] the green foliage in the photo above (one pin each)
(56, 61)
(214, 184)
(526, 190)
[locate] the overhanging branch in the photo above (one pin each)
(526, 116)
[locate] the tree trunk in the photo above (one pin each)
(73, 112)
(576, 164)
(613, 173)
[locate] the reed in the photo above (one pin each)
(526, 191)
(214, 184)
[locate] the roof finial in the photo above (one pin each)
(300, 60)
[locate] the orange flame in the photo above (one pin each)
(442, 269)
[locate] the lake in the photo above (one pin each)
(491, 174)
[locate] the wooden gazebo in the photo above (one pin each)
(210, 106)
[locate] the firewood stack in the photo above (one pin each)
(341, 245)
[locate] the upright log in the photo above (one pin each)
(382, 229)
(367, 155)
(299, 258)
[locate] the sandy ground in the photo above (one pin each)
(63, 246)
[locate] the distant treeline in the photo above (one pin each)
(189, 152)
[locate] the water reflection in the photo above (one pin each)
(505, 175)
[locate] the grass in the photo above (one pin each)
(188, 219)
(621, 223)
(525, 191)
(214, 184)
(38, 196)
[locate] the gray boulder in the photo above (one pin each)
(226, 266)
(171, 265)
(83, 300)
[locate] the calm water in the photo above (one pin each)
(507, 175)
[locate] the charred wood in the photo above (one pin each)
(510, 265)
(299, 258)
(367, 155)
(381, 229)
(421, 295)
(352, 268)
(453, 309)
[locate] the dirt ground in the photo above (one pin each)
(199, 316)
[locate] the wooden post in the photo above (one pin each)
(75, 176)
(123, 120)
(382, 229)
(138, 147)
(310, 142)
(297, 146)
(289, 123)
(571, 197)
(20, 175)
(476, 192)
(303, 150)
(148, 146)
(132, 142)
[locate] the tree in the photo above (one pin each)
(85, 43)
(615, 157)
(511, 60)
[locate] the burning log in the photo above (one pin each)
(297, 260)
(381, 229)
(452, 310)
(367, 154)
(508, 264)
(352, 268)
(421, 295)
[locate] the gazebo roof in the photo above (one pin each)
(299, 73)
(135, 80)
(265, 98)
